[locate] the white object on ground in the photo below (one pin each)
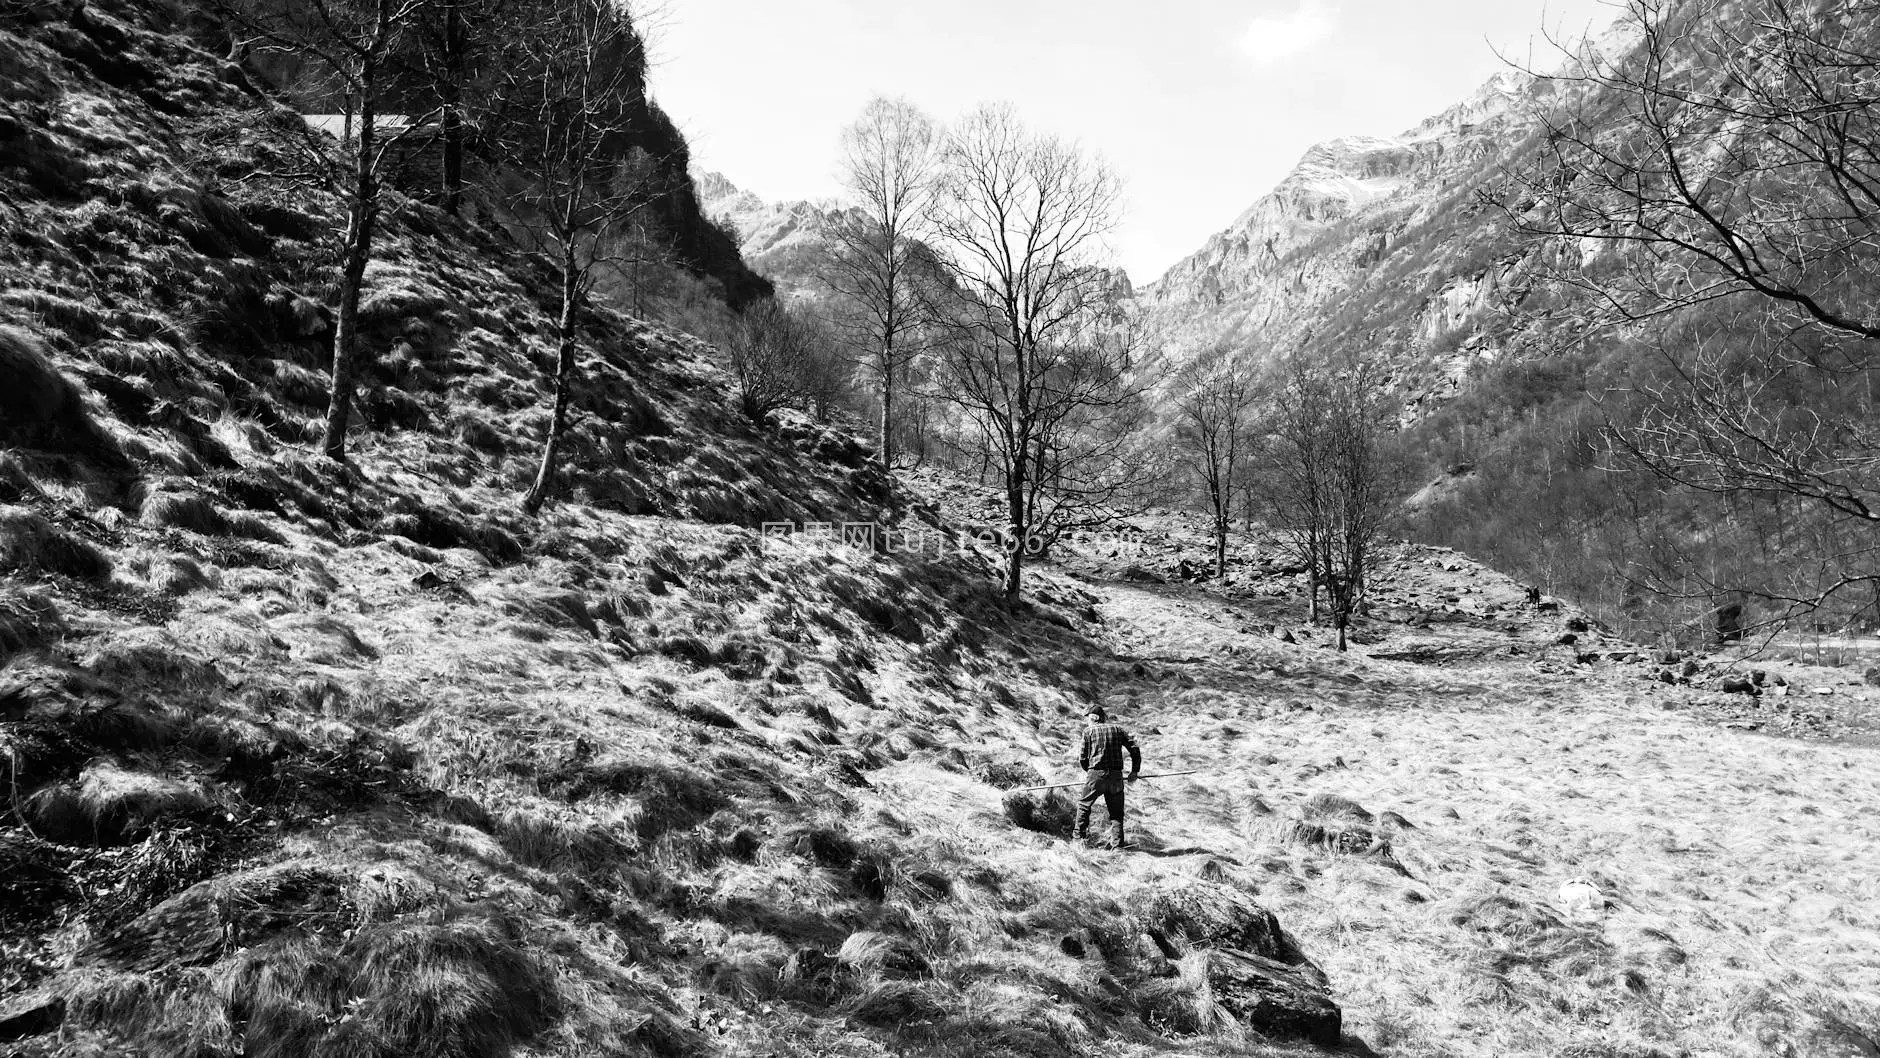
(1581, 900)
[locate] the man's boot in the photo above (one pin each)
(1116, 834)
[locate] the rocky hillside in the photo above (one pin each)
(1375, 236)
(310, 758)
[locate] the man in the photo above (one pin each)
(1102, 761)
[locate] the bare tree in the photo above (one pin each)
(459, 51)
(352, 44)
(575, 182)
(1722, 178)
(786, 355)
(1734, 151)
(1035, 361)
(1214, 406)
(1332, 489)
(890, 163)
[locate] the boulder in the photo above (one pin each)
(1274, 999)
(1207, 914)
(1254, 968)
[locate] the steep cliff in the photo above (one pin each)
(1381, 240)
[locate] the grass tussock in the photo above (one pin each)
(31, 544)
(28, 619)
(110, 804)
(39, 407)
(1051, 812)
(460, 984)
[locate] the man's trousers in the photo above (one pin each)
(1108, 784)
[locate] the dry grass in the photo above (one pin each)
(368, 763)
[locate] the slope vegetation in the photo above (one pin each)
(304, 758)
(316, 758)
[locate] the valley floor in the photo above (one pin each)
(1740, 874)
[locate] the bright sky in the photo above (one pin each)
(1201, 105)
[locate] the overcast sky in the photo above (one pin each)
(1201, 105)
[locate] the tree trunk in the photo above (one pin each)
(360, 219)
(1220, 545)
(1312, 587)
(1339, 620)
(453, 159)
(887, 405)
(1015, 545)
(564, 380)
(452, 108)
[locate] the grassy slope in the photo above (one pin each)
(358, 762)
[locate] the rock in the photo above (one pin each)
(1577, 624)
(1207, 914)
(1275, 999)
(33, 1014)
(1737, 685)
(1254, 967)
(1285, 636)
(1872, 676)
(1566, 639)
(1139, 575)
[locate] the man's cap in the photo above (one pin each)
(1096, 711)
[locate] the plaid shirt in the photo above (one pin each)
(1103, 749)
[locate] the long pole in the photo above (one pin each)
(1068, 785)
